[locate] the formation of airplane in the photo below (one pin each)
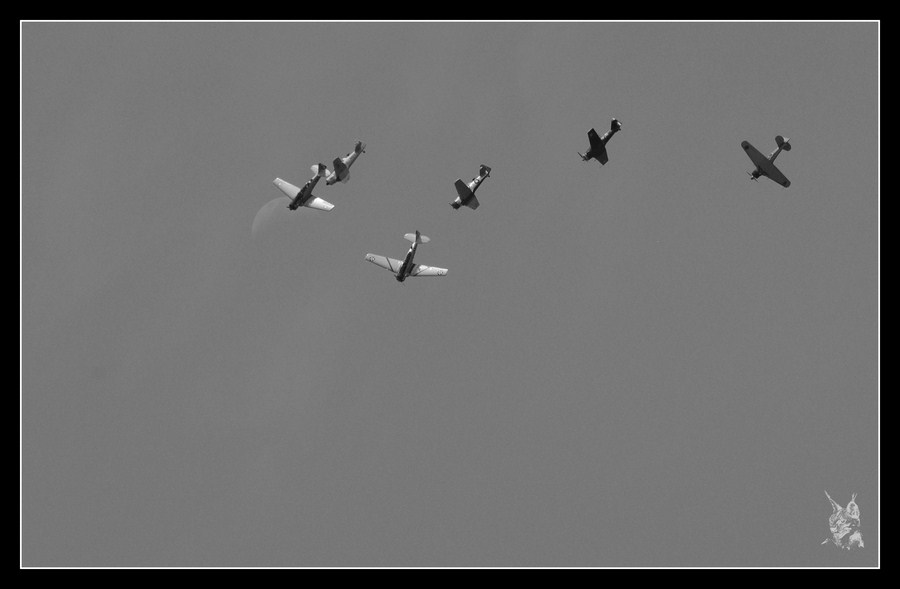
(407, 267)
(466, 192)
(402, 269)
(765, 166)
(303, 197)
(597, 150)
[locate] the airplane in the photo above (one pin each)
(341, 172)
(407, 268)
(765, 166)
(598, 144)
(467, 191)
(303, 197)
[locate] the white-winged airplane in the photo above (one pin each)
(598, 144)
(765, 166)
(466, 192)
(303, 197)
(407, 267)
(341, 172)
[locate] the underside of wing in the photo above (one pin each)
(286, 187)
(318, 203)
(462, 189)
(421, 270)
(755, 156)
(473, 203)
(601, 156)
(776, 175)
(594, 139)
(386, 263)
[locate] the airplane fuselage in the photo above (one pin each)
(473, 186)
(775, 153)
(305, 193)
(407, 265)
(608, 135)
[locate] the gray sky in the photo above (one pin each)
(653, 363)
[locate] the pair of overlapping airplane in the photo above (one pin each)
(402, 269)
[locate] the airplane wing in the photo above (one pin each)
(601, 156)
(286, 187)
(386, 263)
(421, 270)
(473, 203)
(594, 139)
(318, 203)
(462, 189)
(755, 156)
(776, 175)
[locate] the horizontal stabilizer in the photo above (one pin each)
(318, 203)
(783, 143)
(286, 187)
(484, 171)
(319, 170)
(411, 237)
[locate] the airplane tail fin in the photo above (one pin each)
(615, 125)
(484, 171)
(783, 143)
(417, 237)
(319, 170)
(360, 147)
